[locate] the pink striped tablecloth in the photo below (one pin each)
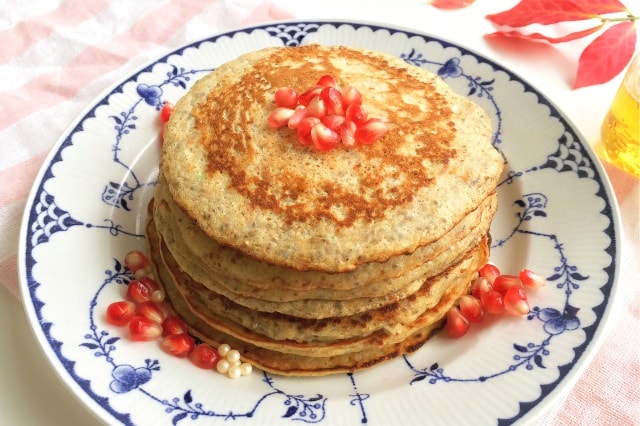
(57, 56)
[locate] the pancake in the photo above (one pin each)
(261, 192)
(313, 263)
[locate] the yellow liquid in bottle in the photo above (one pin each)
(620, 130)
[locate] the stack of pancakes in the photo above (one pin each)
(309, 262)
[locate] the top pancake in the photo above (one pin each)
(258, 190)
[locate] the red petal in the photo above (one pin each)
(538, 36)
(450, 4)
(553, 11)
(607, 55)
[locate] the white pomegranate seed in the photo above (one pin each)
(457, 324)
(371, 130)
(223, 349)
(516, 301)
(306, 97)
(286, 97)
(246, 368)
(317, 107)
(327, 80)
(323, 137)
(232, 356)
(304, 130)
(348, 134)
(503, 282)
(471, 308)
(333, 100)
(280, 116)
(333, 121)
(489, 271)
(530, 279)
(298, 115)
(158, 296)
(136, 260)
(351, 95)
(223, 366)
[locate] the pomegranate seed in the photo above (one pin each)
(490, 272)
(351, 95)
(371, 130)
(333, 121)
(279, 117)
(317, 108)
(204, 356)
(173, 325)
(492, 302)
(120, 313)
(503, 282)
(299, 113)
(156, 312)
(286, 97)
(457, 324)
(347, 134)
(471, 308)
(516, 302)
(304, 130)
(480, 285)
(135, 260)
(356, 113)
(531, 280)
(142, 328)
(327, 80)
(323, 137)
(165, 112)
(179, 345)
(333, 100)
(306, 97)
(138, 291)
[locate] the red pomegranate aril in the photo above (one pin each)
(166, 111)
(306, 97)
(489, 271)
(142, 328)
(316, 108)
(135, 260)
(471, 308)
(280, 116)
(516, 301)
(333, 100)
(480, 285)
(120, 313)
(356, 113)
(286, 97)
(323, 137)
(492, 302)
(530, 279)
(156, 312)
(503, 282)
(299, 113)
(204, 356)
(138, 291)
(327, 80)
(304, 130)
(173, 325)
(179, 345)
(350, 95)
(457, 324)
(333, 121)
(348, 134)
(370, 131)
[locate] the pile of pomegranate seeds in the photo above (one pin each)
(492, 293)
(148, 317)
(326, 115)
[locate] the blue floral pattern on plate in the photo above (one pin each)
(556, 216)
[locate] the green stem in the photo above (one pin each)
(622, 19)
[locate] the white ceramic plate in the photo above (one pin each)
(556, 216)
